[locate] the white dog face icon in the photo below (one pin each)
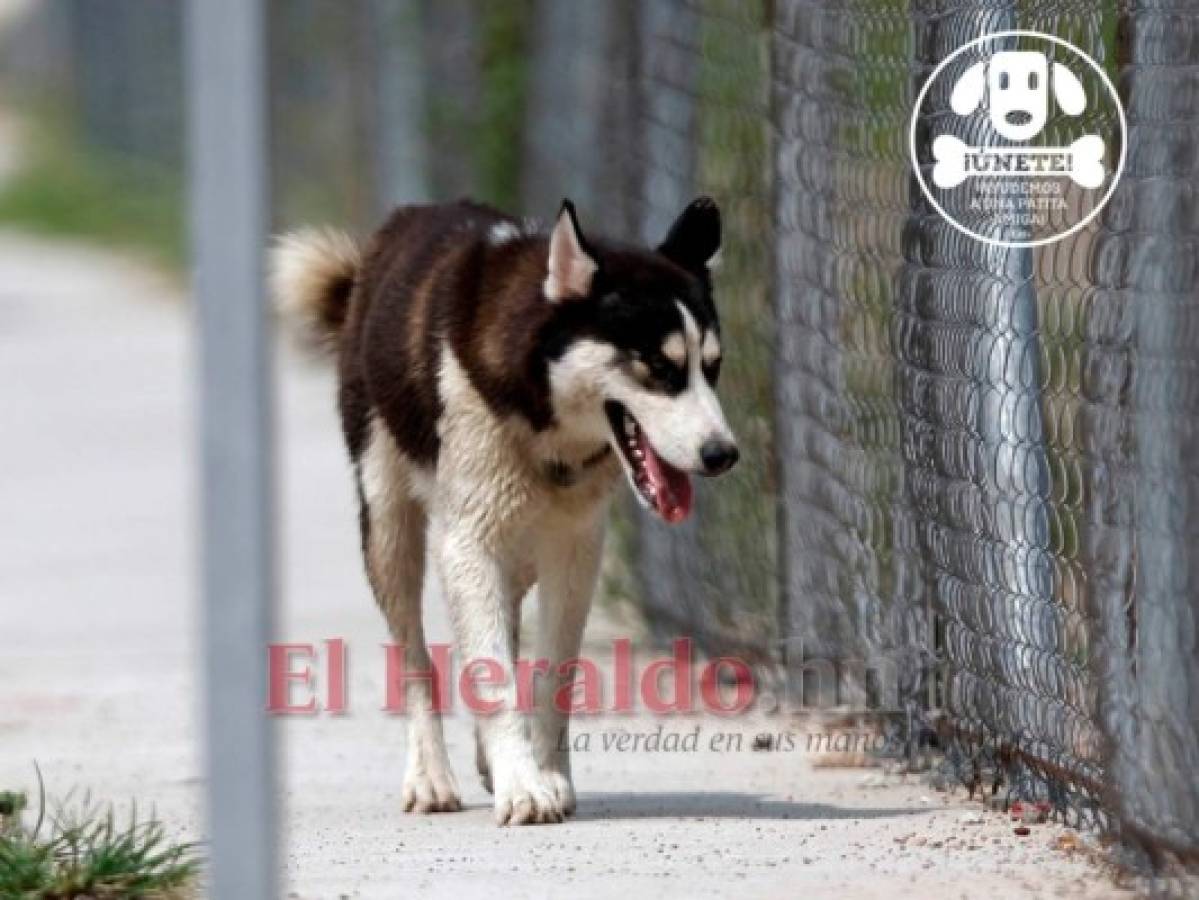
(1016, 83)
(1036, 144)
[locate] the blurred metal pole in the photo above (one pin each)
(227, 117)
(399, 71)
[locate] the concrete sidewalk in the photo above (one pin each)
(97, 670)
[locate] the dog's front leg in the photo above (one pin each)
(567, 568)
(480, 592)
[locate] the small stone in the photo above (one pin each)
(1067, 843)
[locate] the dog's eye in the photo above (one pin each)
(1003, 81)
(712, 370)
(1032, 81)
(663, 367)
(659, 373)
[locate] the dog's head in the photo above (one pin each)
(634, 353)
(1016, 83)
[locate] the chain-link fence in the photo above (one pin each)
(986, 457)
(988, 454)
(970, 485)
(1140, 453)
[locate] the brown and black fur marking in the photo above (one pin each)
(432, 276)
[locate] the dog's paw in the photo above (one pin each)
(430, 792)
(528, 798)
(564, 791)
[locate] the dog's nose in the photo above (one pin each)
(718, 456)
(1018, 117)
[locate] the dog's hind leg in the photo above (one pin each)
(393, 537)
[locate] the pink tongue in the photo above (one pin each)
(671, 489)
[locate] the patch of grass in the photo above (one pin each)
(83, 851)
(65, 189)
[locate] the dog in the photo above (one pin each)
(494, 381)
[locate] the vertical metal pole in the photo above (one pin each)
(226, 69)
(399, 72)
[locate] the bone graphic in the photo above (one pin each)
(1082, 161)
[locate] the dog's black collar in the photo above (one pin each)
(563, 474)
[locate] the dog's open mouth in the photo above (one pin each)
(663, 488)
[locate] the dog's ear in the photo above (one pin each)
(968, 92)
(694, 239)
(571, 266)
(1067, 89)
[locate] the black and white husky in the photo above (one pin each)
(494, 381)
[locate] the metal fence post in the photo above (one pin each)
(225, 44)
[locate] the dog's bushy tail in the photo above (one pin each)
(312, 276)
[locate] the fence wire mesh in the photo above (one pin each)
(1142, 488)
(705, 107)
(985, 457)
(988, 454)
